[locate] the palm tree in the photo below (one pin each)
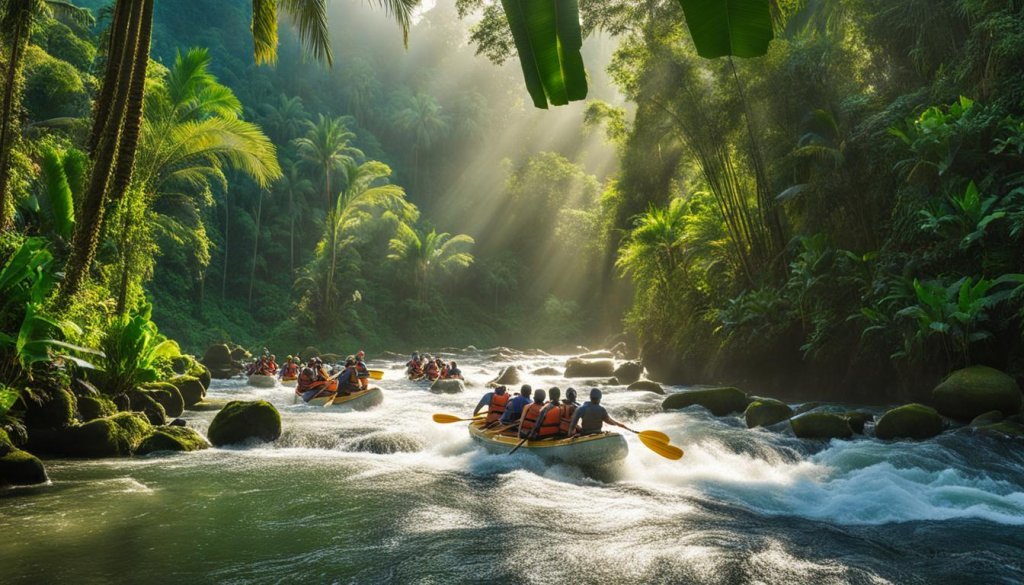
(16, 18)
(295, 186)
(361, 87)
(366, 189)
(327, 148)
(286, 119)
(429, 254)
(654, 249)
(422, 117)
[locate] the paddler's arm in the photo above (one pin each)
(485, 401)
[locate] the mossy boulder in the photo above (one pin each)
(242, 420)
(806, 407)
(628, 372)
(589, 368)
(988, 418)
(821, 425)
(240, 354)
(5, 442)
(447, 386)
(219, 362)
(858, 419)
(203, 374)
(910, 421)
(182, 364)
(190, 388)
(645, 385)
(172, 438)
(93, 407)
(209, 405)
(19, 467)
(1006, 428)
(720, 401)
(972, 391)
(112, 436)
(143, 401)
(55, 410)
(764, 412)
(167, 395)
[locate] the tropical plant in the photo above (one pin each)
(133, 350)
(295, 186)
(285, 120)
(430, 255)
(421, 116)
(327, 148)
(967, 216)
(16, 20)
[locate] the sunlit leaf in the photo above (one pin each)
(719, 28)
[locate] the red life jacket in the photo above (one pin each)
(290, 370)
(496, 408)
(306, 380)
(551, 422)
(530, 415)
(565, 412)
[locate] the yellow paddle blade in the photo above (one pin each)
(664, 449)
(446, 418)
(656, 435)
(376, 374)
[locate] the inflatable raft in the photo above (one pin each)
(289, 382)
(362, 400)
(261, 381)
(587, 451)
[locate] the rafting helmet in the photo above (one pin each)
(595, 395)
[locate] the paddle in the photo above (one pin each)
(376, 374)
(518, 446)
(450, 418)
(656, 435)
(664, 449)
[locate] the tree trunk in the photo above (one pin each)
(255, 246)
(88, 226)
(115, 48)
(291, 245)
(227, 240)
(136, 99)
(8, 125)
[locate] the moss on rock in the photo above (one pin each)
(190, 388)
(144, 402)
(209, 405)
(720, 401)
(113, 436)
(972, 391)
(988, 418)
(172, 438)
(1005, 428)
(19, 467)
(858, 419)
(203, 374)
(910, 421)
(241, 420)
(93, 407)
(56, 410)
(167, 395)
(764, 412)
(821, 425)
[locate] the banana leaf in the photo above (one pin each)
(548, 39)
(719, 28)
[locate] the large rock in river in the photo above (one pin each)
(587, 368)
(190, 388)
(142, 401)
(447, 386)
(509, 376)
(720, 401)
(167, 395)
(765, 412)
(242, 420)
(93, 407)
(219, 361)
(975, 390)
(19, 467)
(646, 385)
(546, 371)
(628, 372)
(821, 425)
(112, 436)
(910, 421)
(172, 438)
(55, 409)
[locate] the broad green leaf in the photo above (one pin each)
(741, 28)
(8, 396)
(548, 40)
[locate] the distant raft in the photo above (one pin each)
(587, 451)
(261, 381)
(290, 382)
(362, 400)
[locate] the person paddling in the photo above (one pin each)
(290, 369)
(541, 422)
(567, 408)
(495, 402)
(514, 410)
(592, 416)
(454, 372)
(348, 380)
(362, 374)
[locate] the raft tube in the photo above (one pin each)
(261, 381)
(362, 400)
(289, 382)
(587, 451)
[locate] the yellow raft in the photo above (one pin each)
(586, 451)
(362, 400)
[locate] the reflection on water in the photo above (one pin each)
(388, 496)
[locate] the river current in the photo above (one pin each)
(388, 496)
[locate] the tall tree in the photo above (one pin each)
(16, 19)
(327, 148)
(430, 253)
(295, 187)
(422, 117)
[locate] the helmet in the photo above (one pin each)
(361, 353)
(595, 394)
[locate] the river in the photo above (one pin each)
(388, 496)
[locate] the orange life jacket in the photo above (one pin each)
(565, 412)
(548, 426)
(290, 370)
(496, 408)
(305, 382)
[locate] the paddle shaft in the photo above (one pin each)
(516, 448)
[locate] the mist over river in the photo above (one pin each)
(387, 495)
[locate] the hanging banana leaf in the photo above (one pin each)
(741, 28)
(548, 40)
